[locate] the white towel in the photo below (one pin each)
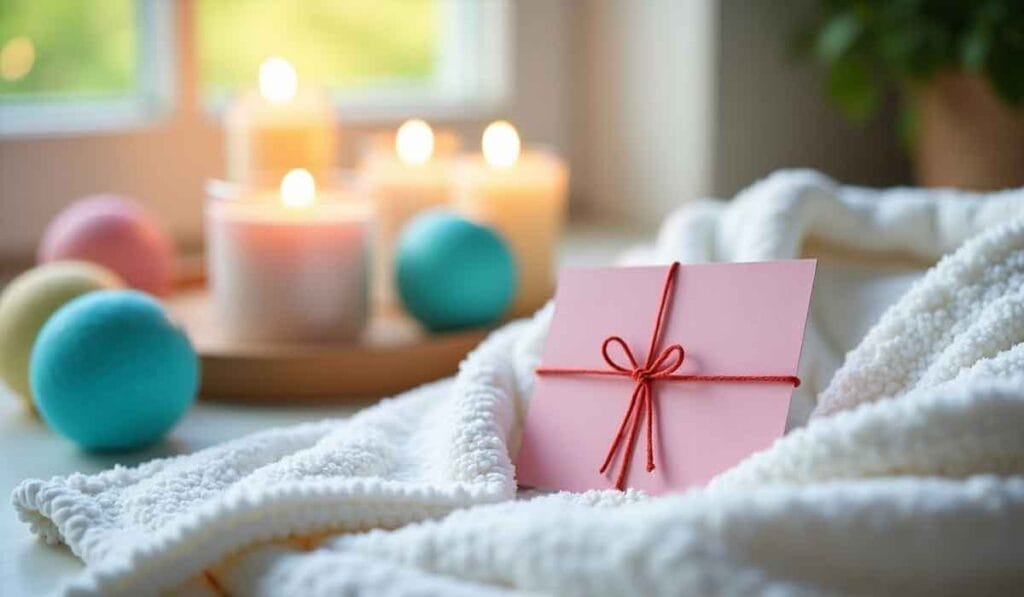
(935, 390)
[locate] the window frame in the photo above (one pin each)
(474, 79)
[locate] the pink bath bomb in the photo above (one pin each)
(116, 233)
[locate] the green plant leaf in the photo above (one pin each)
(975, 48)
(838, 37)
(907, 125)
(854, 90)
(1005, 74)
(867, 44)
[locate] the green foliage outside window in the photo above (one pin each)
(340, 44)
(55, 49)
(73, 49)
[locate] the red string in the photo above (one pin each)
(661, 367)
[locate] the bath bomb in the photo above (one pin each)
(111, 371)
(29, 300)
(116, 233)
(452, 273)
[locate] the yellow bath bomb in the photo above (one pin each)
(29, 300)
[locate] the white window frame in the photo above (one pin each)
(473, 79)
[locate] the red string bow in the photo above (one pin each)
(658, 366)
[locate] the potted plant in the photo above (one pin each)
(959, 68)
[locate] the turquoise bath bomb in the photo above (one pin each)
(29, 300)
(111, 371)
(452, 273)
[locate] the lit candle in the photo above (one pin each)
(402, 181)
(287, 265)
(279, 127)
(521, 194)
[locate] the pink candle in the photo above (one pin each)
(288, 265)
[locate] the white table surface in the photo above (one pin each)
(29, 449)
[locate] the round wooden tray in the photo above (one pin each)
(394, 354)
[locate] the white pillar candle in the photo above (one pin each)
(522, 195)
(280, 127)
(288, 266)
(411, 176)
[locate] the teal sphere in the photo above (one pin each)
(452, 273)
(110, 371)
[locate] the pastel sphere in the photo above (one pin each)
(111, 371)
(116, 233)
(29, 300)
(452, 273)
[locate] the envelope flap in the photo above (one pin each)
(745, 318)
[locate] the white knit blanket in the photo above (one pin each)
(909, 477)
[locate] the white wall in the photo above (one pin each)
(644, 111)
(772, 112)
(677, 99)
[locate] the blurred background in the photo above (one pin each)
(652, 102)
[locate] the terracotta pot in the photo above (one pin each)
(967, 137)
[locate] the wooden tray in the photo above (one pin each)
(395, 354)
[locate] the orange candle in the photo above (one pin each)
(279, 127)
(522, 195)
(402, 182)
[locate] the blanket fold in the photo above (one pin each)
(908, 478)
(866, 537)
(401, 461)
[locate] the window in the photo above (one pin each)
(73, 49)
(81, 65)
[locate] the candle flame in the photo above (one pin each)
(500, 144)
(414, 142)
(278, 80)
(298, 189)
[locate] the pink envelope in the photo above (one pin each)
(729, 319)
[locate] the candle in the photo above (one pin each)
(290, 265)
(279, 127)
(402, 181)
(521, 194)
